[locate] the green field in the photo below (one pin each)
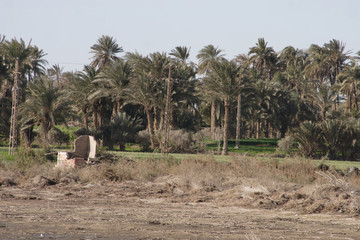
(250, 146)
(261, 149)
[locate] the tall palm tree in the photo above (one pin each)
(16, 55)
(244, 63)
(319, 65)
(321, 96)
(292, 57)
(208, 56)
(141, 90)
(78, 89)
(44, 105)
(337, 58)
(223, 82)
(112, 82)
(181, 53)
(157, 65)
(350, 78)
(104, 51)
(37, 64)
(263, 58)
(56, 72)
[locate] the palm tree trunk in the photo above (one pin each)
(266, 128)
(213, 119)
(114, 111)
(238, 120)
(95, 120)
(155, 127)
(258, 126)
(85, 119)
(150, 124)
(119, 106)
(167, 114)
(226, 127)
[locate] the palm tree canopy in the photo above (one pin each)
(208, 56)
(263, 57)
(223, 80)
(113, 80)
(44, 104)
(104, 51)
(181, 53)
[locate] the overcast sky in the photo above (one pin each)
(66, 29)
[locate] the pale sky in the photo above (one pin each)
(66, 29)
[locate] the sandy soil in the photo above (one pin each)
(157, 210)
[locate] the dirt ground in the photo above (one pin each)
(159, 210)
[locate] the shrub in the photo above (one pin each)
(332, 138)
(308, 137)
(56, 136)
(181, 141)
(285, 144)
(200, 139)
(26, 158)
(143, 138)
(123, 128)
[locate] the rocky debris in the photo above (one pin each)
(40, 181)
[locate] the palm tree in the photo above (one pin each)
(16, 56)
(123, 129)
(113, 80)
(78, 89)
(308, 136)
(181, 53)
(104, 51)
(37, 64)
(350, 78)
(141, 90)
(244, 62)
(223, 82)
(56, 72)
(337, 58)
(208, 56)
(292, 57)
(319, 65)
(321, 96)
(263, 58)
(44, 105)
(157, 65)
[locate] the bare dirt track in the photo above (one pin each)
(132, 210)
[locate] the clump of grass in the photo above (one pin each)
(26, 158)
(285, 145)
(296, 170)
(200, 173)
(125, 169)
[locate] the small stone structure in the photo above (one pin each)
(85, 152)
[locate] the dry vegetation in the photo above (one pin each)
(295, 184)
(164, 198)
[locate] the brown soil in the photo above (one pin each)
(166, 208)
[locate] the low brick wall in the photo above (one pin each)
(64, 162)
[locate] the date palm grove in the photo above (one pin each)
(309, 94)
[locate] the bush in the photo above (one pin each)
(333, 138)
(56, 136)
(181, 141)
(285, 144)
(308, 137)
(200, 139)
(26, 158)
(143, 138)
